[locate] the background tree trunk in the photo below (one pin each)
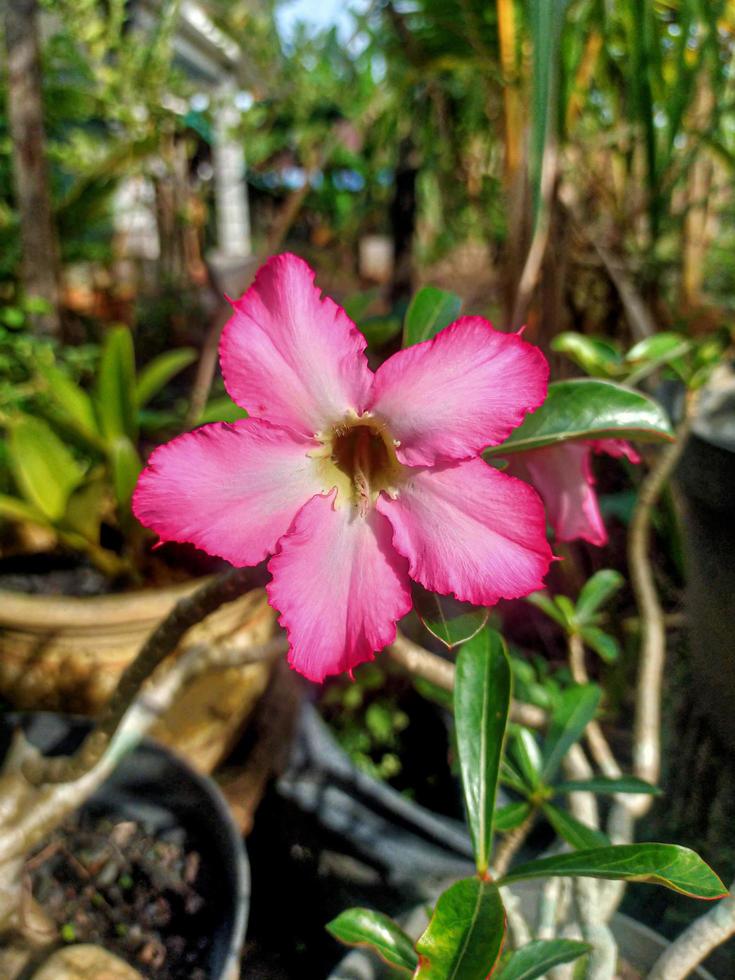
(40, 271)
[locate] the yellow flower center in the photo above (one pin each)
(359, 459)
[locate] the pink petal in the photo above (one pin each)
(290, 356)
(470, 530)
(562, 474)
(340, 587)
(465, 389)
(231, 490)
(617, 448)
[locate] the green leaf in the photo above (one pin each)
(510, 776)
(511, 815)
(606, 646)
(378, 330)
(429, 311)
(465, 935)
(126, 466)
(115, 401)
(659, 347)
(44, 469)
(594, 355)
(73, 401)
(157, 374)
(535, 958)
(84, 510)
(544, 602)
(481, 704)
(660, 864)
(357, 304)
(447, 619)
(654, 352)
(221, 410)
(13, 509)
(364, 927)
(527, 754)
(574, 710)
(607, 785)
(596, 591)
(573, 831)
(587, 409)
(546, 23)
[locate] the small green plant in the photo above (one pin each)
(74, 462)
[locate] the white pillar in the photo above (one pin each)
(230, 188)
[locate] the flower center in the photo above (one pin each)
(359, 458)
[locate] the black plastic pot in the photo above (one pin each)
(156, 788)
(706, 478)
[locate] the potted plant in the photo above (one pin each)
(335, 610)
(72, 461)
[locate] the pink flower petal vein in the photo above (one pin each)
(355, 482)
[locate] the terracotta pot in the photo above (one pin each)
(67, 653)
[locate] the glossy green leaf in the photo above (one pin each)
(661, 345)
(604, 645)
(595, 355)
(510, 776)
(44, 469)
(535, 958)
(596, 591)
(605, 785)
(588, 409)
(158, 372)
(654, 352)
(481, 704)
(511, 815)
(574, 710)
(527, 755)
(573, 831)
(670, 865)
(73, 401)
(365, 927)
(115, 397)
(221, 410)
(126, 465)
(430, 310)
(465, 935)
(447, 619)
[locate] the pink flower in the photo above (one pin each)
(355, 481)
(563, 476)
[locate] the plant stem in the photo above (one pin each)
(162, 642)
(647, 723)
(697, 941)
(599, 746)
(511, 844)
(422, 663)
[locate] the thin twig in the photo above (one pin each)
(540, 240)
(511, 844)
(647, 723)
(422, 663)
(162, 642)
(697, 941)
(595, 737)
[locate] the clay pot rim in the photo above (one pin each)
(31, 611)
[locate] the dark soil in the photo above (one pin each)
(114, 884)
(55, 573)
